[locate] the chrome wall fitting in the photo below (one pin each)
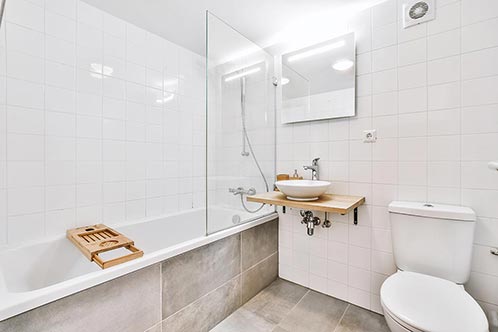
(326, 222)
(494, 251)
(242, 191)
(310, 221)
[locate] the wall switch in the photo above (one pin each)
(370, 136)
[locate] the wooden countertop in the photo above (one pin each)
(326, 203)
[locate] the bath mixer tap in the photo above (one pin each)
(242, 191)
(314, 169)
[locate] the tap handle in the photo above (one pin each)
(315, 161)
(306, 214)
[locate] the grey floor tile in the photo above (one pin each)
(276, 301)
(361, 320)
(278, 329)
(315, 312)
(156, 328)
(264, 311)
(244, 320)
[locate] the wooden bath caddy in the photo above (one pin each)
(96, 239)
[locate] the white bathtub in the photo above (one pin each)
(37, 274)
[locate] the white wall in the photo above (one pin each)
(431, 91)
(78, 147)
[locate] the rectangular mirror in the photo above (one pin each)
(318, 82)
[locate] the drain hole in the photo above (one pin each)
(236, 219)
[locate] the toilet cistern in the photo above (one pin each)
(314, 169)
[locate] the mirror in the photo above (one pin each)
(318, 82)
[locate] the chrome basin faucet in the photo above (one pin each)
(314, 169)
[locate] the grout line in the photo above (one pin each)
(197, 300)
(291, 309)
(342, 317)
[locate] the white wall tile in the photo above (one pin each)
(25, 40)
(444, 96)
(69, 126)
(480, 119)
(413, 100)
(384, 81)
(443, 70)
(446, 122)
(444, 148)
(412, 124)
(412, 76)
(480, 63)
(479, 147)
(412, 52)
(384, 36)
(448, 18)
(479, 10)
(384, 58)
(26, 14)
(384, 13)
(60, 27)
(63, 7)
(444, 44)
(486, 32)
(480, 91)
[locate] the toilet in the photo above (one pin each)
(432, 246)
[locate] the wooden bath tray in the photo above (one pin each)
(96, 239)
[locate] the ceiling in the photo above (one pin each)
(269, 23)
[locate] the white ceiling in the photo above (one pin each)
(262, 21)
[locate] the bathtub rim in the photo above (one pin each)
(13, 304)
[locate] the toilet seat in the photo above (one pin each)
(420, 302)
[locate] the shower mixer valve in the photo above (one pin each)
(241, 191)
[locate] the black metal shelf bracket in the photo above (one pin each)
(355, 216)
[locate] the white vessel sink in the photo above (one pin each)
(302, 190)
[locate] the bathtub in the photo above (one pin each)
(36, 274)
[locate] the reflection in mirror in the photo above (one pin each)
(318, 82)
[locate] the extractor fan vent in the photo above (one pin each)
(417, 11)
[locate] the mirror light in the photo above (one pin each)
(315, 51)
(98, 69)
(242, 74)
(343, 65)
(165, 99)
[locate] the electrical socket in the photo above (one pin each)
(370, 136)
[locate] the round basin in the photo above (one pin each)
(302, 190)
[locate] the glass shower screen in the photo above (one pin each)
(240, 126)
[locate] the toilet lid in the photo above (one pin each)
(431, 304)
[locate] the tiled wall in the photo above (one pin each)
(431, 91)
(101, 121)
(190, 292)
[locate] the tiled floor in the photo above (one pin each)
(287, 307)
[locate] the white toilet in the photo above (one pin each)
(432, 247)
